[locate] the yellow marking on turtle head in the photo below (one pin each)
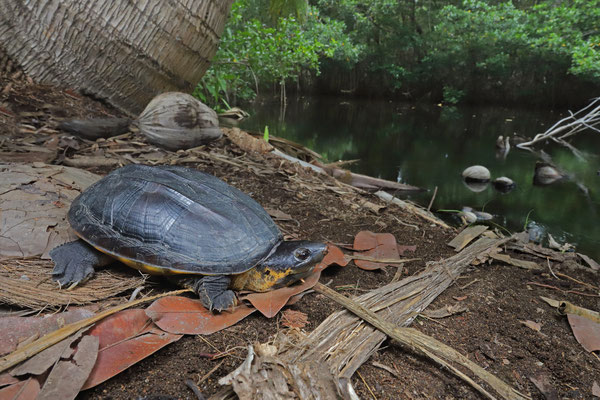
(259, 279)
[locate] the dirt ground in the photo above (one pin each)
(497, 296)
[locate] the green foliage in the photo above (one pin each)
(255, 52)
(288, 8)
(266, 134)
(452, 95)
(502, 44)
(447, 50)
(485, 49)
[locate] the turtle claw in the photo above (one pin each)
(225, 301)
(74, 263)
(72, 274)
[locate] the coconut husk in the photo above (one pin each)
(28, 283)
(177, 121)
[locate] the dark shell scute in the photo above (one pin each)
(174, 217)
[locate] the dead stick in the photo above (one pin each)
(381, 260)
(425, 345)
(56, 336)
(432, 199)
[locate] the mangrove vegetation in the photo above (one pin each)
(529, 52)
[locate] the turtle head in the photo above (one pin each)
(289, 262)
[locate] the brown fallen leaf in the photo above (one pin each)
(596, 389)
(542, 383)
(593, 264)
(278, 215)
(294, 319)
(7, 379)
(15, 330)
(124, 339)
(460, 298)
(536, 326)
(41, 362)
(182, 315)
(403, 248)
(30, 222)
(587, 332)
(377, 246)
(24, 390)
(335, 256)
(68, 376)
(445, 311)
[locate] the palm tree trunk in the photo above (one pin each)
(122, 51)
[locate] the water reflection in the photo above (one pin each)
(431, 146)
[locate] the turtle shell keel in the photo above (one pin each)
(174, 220)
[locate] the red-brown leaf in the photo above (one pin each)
(334, 256)
(125, 338)
(25, 390)
(68, 376)
(586, 331)
(183, 315)
(375, 245)
(14, 330)
(403, 248)
(7, 379)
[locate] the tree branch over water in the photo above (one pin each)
(586, 118)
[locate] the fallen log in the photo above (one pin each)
(343, 342)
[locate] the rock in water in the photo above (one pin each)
(177, 121)
(480, 216)
(476, 173)
(546, 174)
(504, 184)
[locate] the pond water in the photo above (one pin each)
(430, 146)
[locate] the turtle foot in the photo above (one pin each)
(214, 293)
(74, 263)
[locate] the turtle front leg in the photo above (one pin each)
(74, 262)
(214, 291)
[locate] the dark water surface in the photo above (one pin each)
(430, 146)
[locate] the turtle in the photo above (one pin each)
(185, 224)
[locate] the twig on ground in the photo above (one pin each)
(381, 260)
(550, 268)
(432, 198)
(561, 290)
(366, 385)
(386, 368)
(209, 373)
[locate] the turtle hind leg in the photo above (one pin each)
(213, 291)
(74, 262)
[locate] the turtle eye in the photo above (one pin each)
(302, 254)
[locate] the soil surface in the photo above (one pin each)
(498, 298)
